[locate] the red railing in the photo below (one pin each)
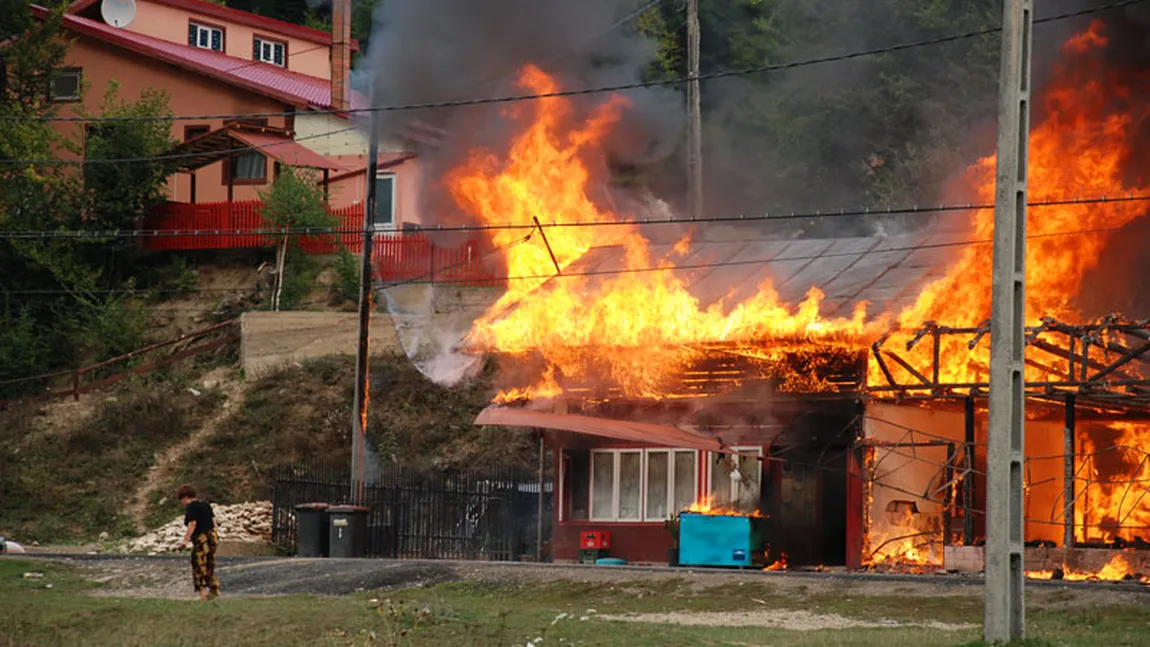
(411, 256)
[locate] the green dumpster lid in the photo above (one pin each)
(313, 506)
(348, 508)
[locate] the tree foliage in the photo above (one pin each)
(295, 201)
(62, 299)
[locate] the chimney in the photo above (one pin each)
(340, 54)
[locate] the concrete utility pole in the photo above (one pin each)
(695, 125)
(1004, 609)
(362, 375)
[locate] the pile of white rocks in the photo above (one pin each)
(243, 522)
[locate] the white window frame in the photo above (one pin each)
(76, 73)
(735, 485)
(267, 51)
(206, 31)
(616, 462)
(390, 222)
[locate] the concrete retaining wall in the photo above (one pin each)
(273, 340)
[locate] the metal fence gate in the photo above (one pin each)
(490, 515)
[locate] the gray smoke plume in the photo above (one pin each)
(450, 50)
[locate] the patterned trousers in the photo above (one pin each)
(204, 561)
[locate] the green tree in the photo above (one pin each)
(294, 201)
(64, 301)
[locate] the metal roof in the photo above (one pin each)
(221, 12)
(885, 271)
(216, 145)
(290, 87)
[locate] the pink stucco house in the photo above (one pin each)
(214, 60)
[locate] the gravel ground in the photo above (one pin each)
(789, 619)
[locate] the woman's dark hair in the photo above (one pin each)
(186, 492)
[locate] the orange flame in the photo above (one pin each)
(779, 564)
(1118, 568)
(1112, 477)
(1076, 152)
(707, 507)
(632, 329)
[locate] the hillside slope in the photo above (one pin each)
(111, 463)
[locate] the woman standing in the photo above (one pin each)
(201, 523)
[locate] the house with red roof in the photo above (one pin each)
(264, 93)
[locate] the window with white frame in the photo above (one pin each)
(206, 37)
(641, 484)
(384, 200)
(269, 51)
(67, 84)
(737, 478)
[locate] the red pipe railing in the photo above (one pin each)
(410, 256)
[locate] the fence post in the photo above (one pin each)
(431, 257)
(76, 384)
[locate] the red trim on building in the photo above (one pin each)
(219, 12)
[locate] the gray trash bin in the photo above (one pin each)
(312, 530)
(348, 535)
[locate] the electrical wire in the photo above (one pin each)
(889, 49)
(495, 280)
(812, 215)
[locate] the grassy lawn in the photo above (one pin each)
(463, 614)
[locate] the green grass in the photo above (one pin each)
(471, 613)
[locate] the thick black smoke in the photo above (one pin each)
(450, 50)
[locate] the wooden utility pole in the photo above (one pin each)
(695, 124)
(362, 373)
(1004, 595)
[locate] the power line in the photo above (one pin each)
(811, 215)
(569, 274)
(939, 40)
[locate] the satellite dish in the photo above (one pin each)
(118, 13)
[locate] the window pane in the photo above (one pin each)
(249, 166)
(684, 480)
(384, 204)
(577, 483)
(630, 485)
(720, 481)
(279, 55)
(217, 40)
(602, 485)
(657, 477)
(750, 484)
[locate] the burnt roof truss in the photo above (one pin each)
(1106, 363)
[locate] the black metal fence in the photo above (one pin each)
(490, 515)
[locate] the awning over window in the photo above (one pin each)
(236, 139)
(638, 432)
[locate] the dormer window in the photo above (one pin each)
(269, 51)
(206, 37)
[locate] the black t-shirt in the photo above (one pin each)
(201, 513)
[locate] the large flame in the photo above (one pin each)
(638, 328)
(1076, 152)
(1119, 567)
(1113, 499)
(632, 329)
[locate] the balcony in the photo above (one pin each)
(397, 256)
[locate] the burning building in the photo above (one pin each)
(835, 386)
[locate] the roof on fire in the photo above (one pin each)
(885, 271)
